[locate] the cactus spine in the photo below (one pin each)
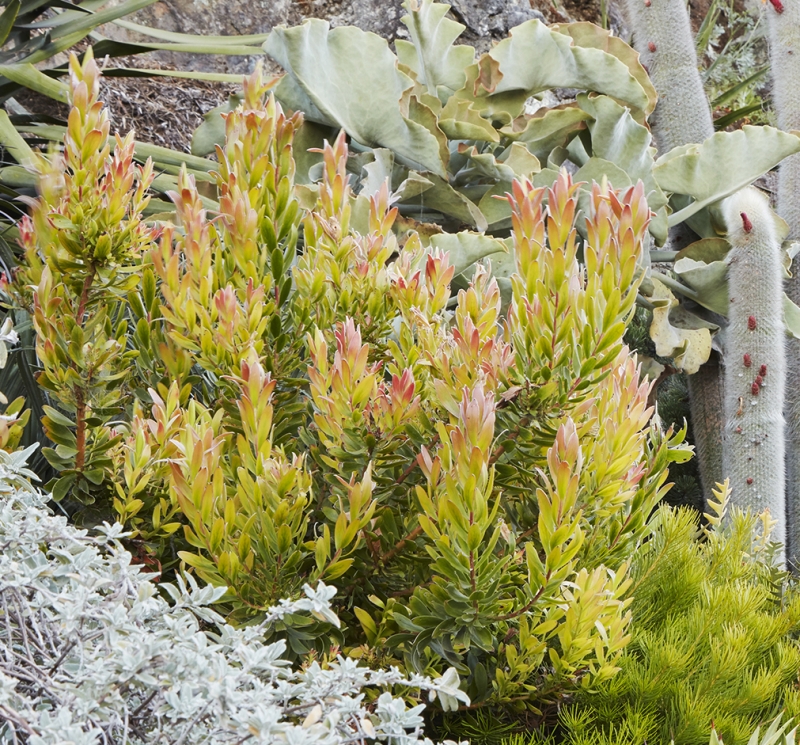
(662, 34)
(755, 360)
(783, 19)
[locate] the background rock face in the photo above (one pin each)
(486, 20)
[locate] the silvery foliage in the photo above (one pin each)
(90, 652)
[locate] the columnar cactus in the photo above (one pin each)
(784, 35)
(755, 365)
(662, 34)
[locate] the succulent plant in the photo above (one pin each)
(755, 367)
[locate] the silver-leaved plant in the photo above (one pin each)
(91, 652)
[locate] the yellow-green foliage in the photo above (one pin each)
(714, 640)
(305, 401)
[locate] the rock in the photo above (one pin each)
(486, 21)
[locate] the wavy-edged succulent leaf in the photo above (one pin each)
(590, 35)
(460, 121)
(547, 128)
(534, 58)
(349, 78)
(617, 137)
(442, 197)
(791, 317)
(379, 171)
(723, 164)
(708, 280)
(517, 163)
(467, 248)
(706, 250)
(437, 62)
(673, 333)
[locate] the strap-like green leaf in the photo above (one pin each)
(27, 75)
(7, 19)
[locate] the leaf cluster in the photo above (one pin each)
(275, 396)
(714, 638)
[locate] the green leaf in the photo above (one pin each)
(723, 164)
(7, 19)
(438, 64)
(348, 78)
(13, 141)
(548, 128)
(535, 58)
(176, 36)
(28, 76)
(58, 417)
(590, 35)
(62, 486)
(139, 72)
(212, 131)
(688, 347)
(466, 248)
(90, 22)
(619, 139)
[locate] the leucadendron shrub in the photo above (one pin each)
(270, 397)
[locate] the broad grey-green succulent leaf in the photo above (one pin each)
(445, 199)
(534, 58)
(688, 347)
(349, 78)
(212, 131)
(618, 138)
(791, 317)
(726, 162)
(586, 34)
(467, 248)
(459, 120)
(708, 280)
(431, 53)
(547, 129)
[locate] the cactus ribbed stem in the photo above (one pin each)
(754, 446)
(783, 22)
(662, 34)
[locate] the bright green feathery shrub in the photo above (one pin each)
(714, 639)
(273, 398)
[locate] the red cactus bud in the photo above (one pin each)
(738, 430)
(759, 380)
(751, 323)
(746, 224)
(651, 46)
(747, 361)
(778, 5)
(754, 389)
(646, 3)
(749, 480)
(762, 371)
